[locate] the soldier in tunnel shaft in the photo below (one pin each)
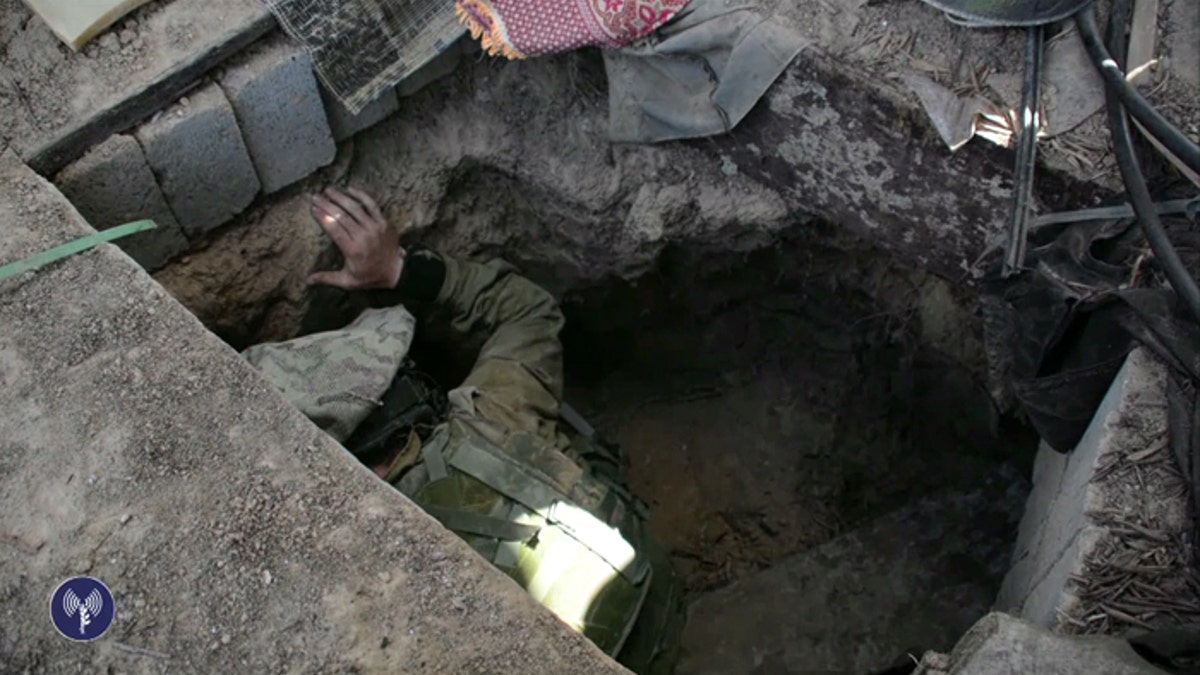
(491, 460)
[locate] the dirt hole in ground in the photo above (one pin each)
(769, 400)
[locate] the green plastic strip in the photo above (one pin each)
(72, 248)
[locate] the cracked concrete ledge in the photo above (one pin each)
(1077, 498)
(236, 537)
(70, 102)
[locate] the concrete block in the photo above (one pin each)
(1049, 592)
(1058, 531)
(196, 150)
(1001, 645)
(278, 106)
(346, 124)
(113, 184)
(107, 89)
(1183, 40)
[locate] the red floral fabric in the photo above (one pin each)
(523, 28)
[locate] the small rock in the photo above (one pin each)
(226, 639)
(728, 166)
(385, 577)
(267, 578)
(125, 518)
(127, 36)
(109, 42)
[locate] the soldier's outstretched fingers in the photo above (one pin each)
(351, 206)
(336, 231)
(367, 201)
(339, 215)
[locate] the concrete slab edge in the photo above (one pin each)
(71, 143)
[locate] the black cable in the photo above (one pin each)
(1031, 96)
(1113, 73)
(1135, 184)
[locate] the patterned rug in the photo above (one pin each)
(523, 28)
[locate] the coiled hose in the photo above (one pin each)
(1112, 70)
(1135, 183)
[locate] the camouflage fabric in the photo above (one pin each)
(499, 472)
(337, 378)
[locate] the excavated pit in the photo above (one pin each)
(771, 399)
(805, 411)
(776, 399)
(798, 397)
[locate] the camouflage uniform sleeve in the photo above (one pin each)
(517, 378)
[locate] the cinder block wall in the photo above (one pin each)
(262, 124)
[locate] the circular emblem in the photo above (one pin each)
(82, 609)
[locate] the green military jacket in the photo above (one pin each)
(543, 506)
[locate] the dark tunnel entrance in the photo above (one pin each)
(812, 409)
(776, 403)
(771, 401)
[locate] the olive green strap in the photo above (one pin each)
(506, 478)
(508, 553)
(509, 480)
(486, 526)
(72, 248)
(435, 461)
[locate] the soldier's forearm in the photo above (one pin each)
(422, 277)
(518, 372)
(480, 300)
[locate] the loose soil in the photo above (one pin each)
(772, 401)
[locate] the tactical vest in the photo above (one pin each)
(562, 524)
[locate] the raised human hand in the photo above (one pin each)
(371, 247)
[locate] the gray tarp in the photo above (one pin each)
(699, 75)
